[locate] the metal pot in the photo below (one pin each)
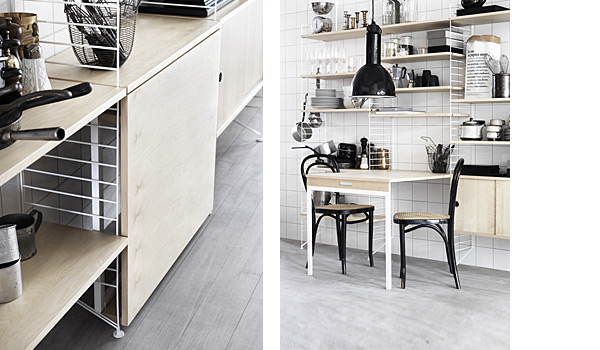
(9, 245)
(301, 131)
(321, 24)
(322, 8)
(27, 226)
(327, 148)
(321, 198)
(11, 284)
(472, 130)
(315, 120)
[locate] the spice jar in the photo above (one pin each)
(406, 43)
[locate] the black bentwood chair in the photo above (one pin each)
(339, 212)
(433, 221)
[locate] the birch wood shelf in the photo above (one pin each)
(423, 57)
(346, 75)
(482, 18)
(482, 100)
(71, 114)
(487, 143)
(418, 115)
(67, 263)
(428, 89)
(339, 110)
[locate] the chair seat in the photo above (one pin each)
(344, 208)
(420, 218)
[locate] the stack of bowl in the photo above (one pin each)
(494, 130)
(326, 99)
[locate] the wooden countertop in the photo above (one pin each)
(68, 261)
(72, 115)
(379, 176)
(159, 41)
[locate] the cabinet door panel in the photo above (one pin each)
(168, 167)
(503, 208)
(477, 206)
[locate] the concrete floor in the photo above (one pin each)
(333, 311)
(212, 296)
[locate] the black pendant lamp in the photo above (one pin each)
(372, 80)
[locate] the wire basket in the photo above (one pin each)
(90, 28)
(439, 158)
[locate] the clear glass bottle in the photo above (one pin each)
(391, 11)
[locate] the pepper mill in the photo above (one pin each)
(357, 19)
(353, 22)
(364, 13)
(346, 20)
(9, 30)
(35, 77)
(364, 155)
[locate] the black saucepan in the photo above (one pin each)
(10, 114)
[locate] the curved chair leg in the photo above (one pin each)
(338, 230)
(371, 238)
(315, 225)
(402, 257)
(343, 236)
(453, 254)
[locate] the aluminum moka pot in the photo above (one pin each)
(11, 284)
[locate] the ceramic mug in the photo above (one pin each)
(27, 227)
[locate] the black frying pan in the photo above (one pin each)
(11, 113)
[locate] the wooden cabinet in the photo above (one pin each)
(484, 207)
(241, 67)
(168, 168)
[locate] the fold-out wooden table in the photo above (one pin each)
(363, 182)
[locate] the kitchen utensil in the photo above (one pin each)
(27, 226)
(95, 45)
(399, 76)
(383, 158)
(472, 3)
(492, 64)
(10, 30)
(501, 87)
(326, 148)
(438, 155)
(10, 114)
(29, 26)
(315, 120)
(11, 283)
(347, 151)
(497, 122)
(321, 198)
(9, 244)
(322, 8)
(364, 17)
(346, 20)
(492, 136)
(35, 77)
(16, 87)
(391, 11)
(410, 11)
(364, 155)
(325, 92)
(493, 128)
(472, 130)
(504, 64)
(425, 78)
(301, 131)
(434, 80)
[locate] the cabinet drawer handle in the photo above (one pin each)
(345, 183)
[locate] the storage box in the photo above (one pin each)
(436, 49)
(444, 33)
(446, 42)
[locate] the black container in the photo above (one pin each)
(347, 151)
(446, 48)
(481, 170)
(477, 10)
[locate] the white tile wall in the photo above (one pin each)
(406, 146)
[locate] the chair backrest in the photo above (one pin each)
(320, 160)
(454, 188)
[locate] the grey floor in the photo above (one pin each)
(212, 296)
(333, 311)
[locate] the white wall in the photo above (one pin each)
(406, 148)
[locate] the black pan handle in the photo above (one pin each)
(11, 88)
(80, 89)
(35, 99)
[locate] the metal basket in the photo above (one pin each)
(98, 28)
(439, 158)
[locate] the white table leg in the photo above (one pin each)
(388, 240)
(309, 243)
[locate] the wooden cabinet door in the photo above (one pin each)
(477, 206)
(168, 167)
(241, 59)
(503, 208)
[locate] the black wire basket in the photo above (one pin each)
(439, 158)
(82, 14)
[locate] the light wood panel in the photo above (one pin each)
(338, 110)
(477, 206)
(422, 57)
(417, 115)
(242, 68)
(337, 35)
(168, 167)
(72, 115)
(503, 208)
(482, 18)
(347, 75)
(66, 264)
(429, 89)
(159, 41)
(498, 143)
(482, 100)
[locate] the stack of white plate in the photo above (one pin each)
(325, 98)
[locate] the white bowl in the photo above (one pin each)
(492, 135)
(493, 128)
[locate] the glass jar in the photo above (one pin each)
(409, 10)
(406, 44)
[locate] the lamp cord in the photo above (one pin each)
(372, 11)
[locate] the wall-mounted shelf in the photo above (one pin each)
(428, 89)
(329, 76)
(337, 35)
(67, 262)
(424, 57)
(417, 115)
(483, 18)
(339, 110)
(487, 143)
(482, 100)
(420, 26)
(72, 115)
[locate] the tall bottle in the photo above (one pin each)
(391, 11)
(410, 10)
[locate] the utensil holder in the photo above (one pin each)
(501, 86)
(439, 162)
(99, 37)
